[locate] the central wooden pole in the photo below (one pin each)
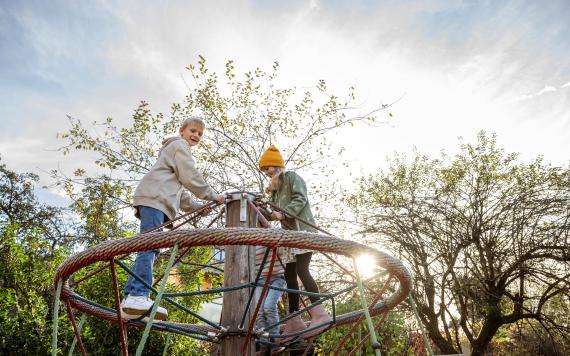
(239, 268)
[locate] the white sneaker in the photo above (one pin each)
(133, 307)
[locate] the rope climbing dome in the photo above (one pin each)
(111, 252)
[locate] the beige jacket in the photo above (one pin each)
(163, 186)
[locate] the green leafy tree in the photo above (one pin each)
(103, 214)
(34, 240)
(487, 238)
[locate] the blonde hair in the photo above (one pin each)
(275, 182)
(193, 120)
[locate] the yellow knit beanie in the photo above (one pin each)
(271, 158)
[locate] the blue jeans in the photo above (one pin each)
(268, 315)
(150, 218)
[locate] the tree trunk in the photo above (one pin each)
(490, 327)
(432, 327)
(445, 346)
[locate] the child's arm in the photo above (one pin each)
(299, 197)
(187, 203)
(186, 172)
(265, 212)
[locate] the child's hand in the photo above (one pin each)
(206, 211)
(220, 199)
(277, 216)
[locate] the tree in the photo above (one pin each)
(100, 208)
(487, 238)
(243, 118)
(34, 239)
(20, 208)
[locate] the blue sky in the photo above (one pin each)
(462, 66)
(53, 49)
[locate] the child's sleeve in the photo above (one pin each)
(189, 176)
(266, 214)
(298, 194)
(187, 203)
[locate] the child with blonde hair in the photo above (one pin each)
(158, 198)
(289, 191)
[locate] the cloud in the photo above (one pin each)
(459, 63)
(546, 89)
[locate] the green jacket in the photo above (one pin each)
(292, 197)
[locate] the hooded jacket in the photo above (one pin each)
(163, 187)
(293, 198)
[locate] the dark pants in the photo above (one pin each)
(300, 268)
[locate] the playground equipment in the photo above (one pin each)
(245, 228)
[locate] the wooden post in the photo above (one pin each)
(239, 268)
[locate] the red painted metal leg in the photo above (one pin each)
(75, 329)
(365, 338)
(309, 347)
(122, 326)
(260, 301)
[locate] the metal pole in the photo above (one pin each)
(428, 346)
(148, 326)
(166, 344)
(80, 327)
(373, 337)
(55, 318)
(76, 330)
(358, 351)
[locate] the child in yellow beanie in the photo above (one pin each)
(289, 191)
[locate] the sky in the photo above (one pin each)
(458, 66)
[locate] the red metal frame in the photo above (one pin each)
(122, 325)
(259, 302)
(75, 329)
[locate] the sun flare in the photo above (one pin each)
(366, 266)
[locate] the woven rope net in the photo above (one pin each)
(110, 251)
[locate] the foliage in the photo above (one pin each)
(20, 208)
(392, 333)
(486, 238)
(33, 243)
(102, 212)
(528, 337)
